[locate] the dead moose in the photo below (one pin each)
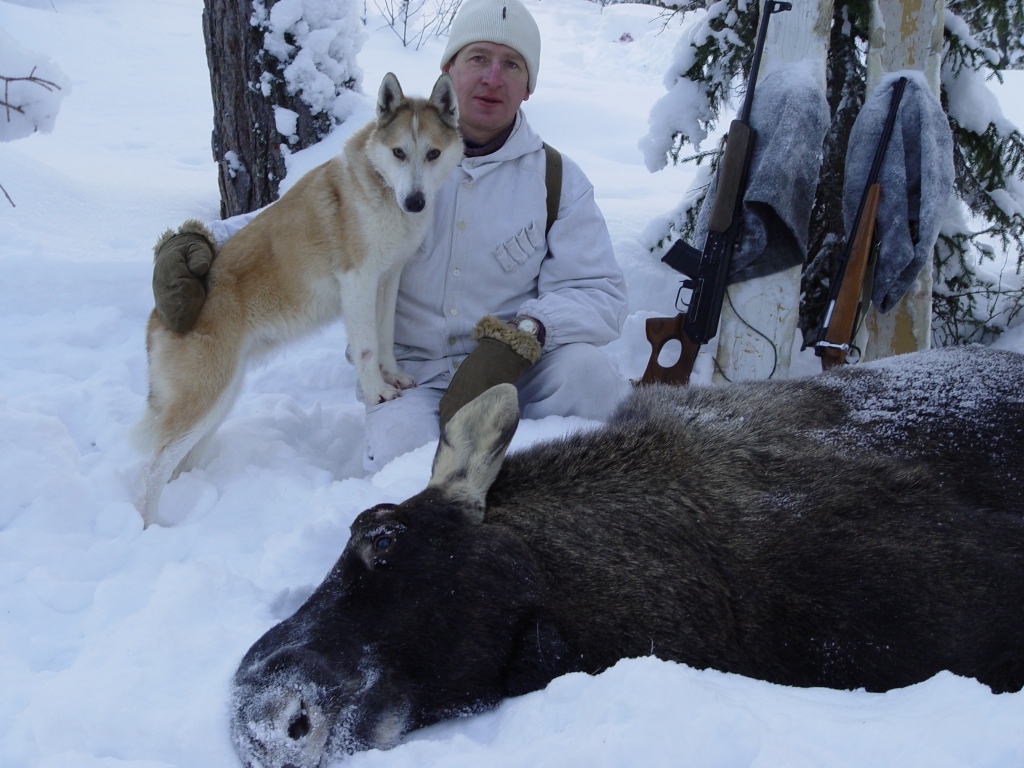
(859, 529)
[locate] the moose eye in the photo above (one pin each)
(399, 153)
(382, 542)
(433, 154)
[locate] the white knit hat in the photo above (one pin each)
(505, 22)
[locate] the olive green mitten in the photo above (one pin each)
(501, 355)
(180, 262)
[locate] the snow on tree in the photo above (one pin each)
(283, 74)
(314, 44)
(970, 303)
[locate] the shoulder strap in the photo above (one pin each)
(553, 182)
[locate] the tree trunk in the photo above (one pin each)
(247, 88)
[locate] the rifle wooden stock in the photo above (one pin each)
(660, 331)
(845, 310)
(708, 269)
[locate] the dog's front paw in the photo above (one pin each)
(385, 393)
(398, 379)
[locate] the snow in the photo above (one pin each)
(972, 104)
(117, 644)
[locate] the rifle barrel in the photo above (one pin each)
(770, 7)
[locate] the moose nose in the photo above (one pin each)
(299, 727)
(415, 202)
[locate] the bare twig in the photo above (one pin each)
(9, 106)
(413, 22)
(6, 101)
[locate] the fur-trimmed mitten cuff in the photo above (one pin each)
(501, 356)
(181, 260)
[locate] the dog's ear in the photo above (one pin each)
(443, 97)
(388, 98)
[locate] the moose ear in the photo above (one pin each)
(443, 97)
(472, 447)
(388, 97)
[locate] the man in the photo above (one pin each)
(487, 259)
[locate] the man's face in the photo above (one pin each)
(491, 82)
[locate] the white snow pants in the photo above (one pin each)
(569, 380)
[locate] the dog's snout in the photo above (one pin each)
(415, 202)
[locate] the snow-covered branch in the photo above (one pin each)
(33, 87)
(8, 104)
(315, 43)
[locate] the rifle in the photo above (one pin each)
(850, 290)
(708, 269)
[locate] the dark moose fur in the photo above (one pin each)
(859, 529)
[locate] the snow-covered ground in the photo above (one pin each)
(117, 644)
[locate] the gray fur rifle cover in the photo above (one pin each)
(790, 118)
(916, 178)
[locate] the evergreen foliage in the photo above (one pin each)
(998, 26)
(971, 300)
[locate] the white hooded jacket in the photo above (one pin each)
(486, 253)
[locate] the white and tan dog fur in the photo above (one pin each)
(333, 246)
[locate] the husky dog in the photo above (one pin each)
(333, 246)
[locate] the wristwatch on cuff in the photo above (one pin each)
(529, 325)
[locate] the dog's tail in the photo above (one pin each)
(143, 434)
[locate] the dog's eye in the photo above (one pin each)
(399, 153)
(433, 154)
(382, 542)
